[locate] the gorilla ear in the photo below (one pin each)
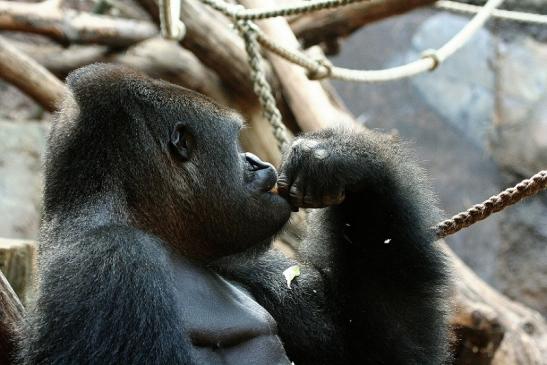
(179, 142)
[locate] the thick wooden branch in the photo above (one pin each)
(328, 25)
(310, 103)
(493, 329)
(11, 315)
(59, 60)
(210, 36)
(29, 76)
(70, 26)
(168, 61)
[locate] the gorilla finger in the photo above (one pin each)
(283, 185)
(297, 192)
(312, 201)
(334, 199)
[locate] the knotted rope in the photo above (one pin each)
(322, 68)
(261, 86)
(494, 204)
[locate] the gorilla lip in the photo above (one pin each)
(263, 175)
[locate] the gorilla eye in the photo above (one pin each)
(179, 142)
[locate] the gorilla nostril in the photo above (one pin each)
(255, 162)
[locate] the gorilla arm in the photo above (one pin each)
(376, 248)
(106, 298)
(373, 287)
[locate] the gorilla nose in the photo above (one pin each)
(255, 162)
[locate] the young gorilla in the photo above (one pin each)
(147, 195)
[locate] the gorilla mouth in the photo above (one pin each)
(260, 175)
(264, 180)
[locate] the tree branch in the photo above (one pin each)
(328, 25)
(493, 329)
(29, 76)
(70, 26)
(310, 103)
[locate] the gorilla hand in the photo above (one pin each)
(320, 168)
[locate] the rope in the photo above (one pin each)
(494, 204)
(430, 60)
(171, 25)
(261, 86)
(238, 12)
(318, 69)
(500, 14)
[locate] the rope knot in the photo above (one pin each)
(322, 70)
(434, 56)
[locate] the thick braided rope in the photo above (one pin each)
(516, 16)
(261, 86)
(494, 204)
(238, 12)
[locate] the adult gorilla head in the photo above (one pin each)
(171, 156)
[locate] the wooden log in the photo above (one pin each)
(163, 59)
(210, 36)
(311, 105)
(17, 262)
(11, 315)
(328, 25)
(169, 61)
(493, 329)
(166, 60)
(70, 26)
(29, 76)
(60, 60)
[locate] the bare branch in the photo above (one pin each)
(493, 329)
(328, 25)
(70, 26)
(29, 76)
(311, 105)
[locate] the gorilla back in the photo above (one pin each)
(156, 229)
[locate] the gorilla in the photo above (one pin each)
(156, 234)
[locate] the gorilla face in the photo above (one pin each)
(227, 193)
(175, 155)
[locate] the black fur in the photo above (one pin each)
(136, 221)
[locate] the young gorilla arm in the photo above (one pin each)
(371, 278)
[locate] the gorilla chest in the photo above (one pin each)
(225, 324)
